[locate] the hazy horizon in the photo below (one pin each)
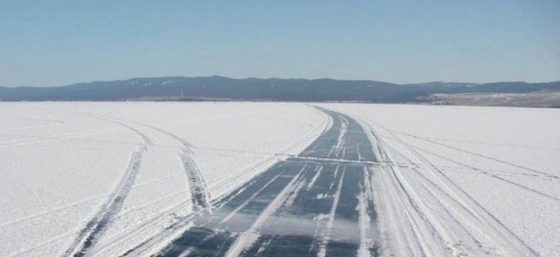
(59, 43)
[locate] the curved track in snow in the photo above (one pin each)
(349, 193)
(303, 206)
(197, 186)
(97, 225)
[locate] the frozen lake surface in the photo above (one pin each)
(278, 179)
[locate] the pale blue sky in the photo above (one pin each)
(47, 43)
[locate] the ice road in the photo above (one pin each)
(315, 204)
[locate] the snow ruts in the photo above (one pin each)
(196, 184)
(185, 223)
(425, 213)
(96, 227)
(283, 210)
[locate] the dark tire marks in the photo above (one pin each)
(298, 207)
(196, 184)
(97, 226)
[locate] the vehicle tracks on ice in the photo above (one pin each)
(321, 203)
(476, 154)
(96, 227)
(261, 218)
(184, 222)
(487, 173)
(463, 225)
(196, 184)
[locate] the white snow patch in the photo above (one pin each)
(59, 163)
(486, 179)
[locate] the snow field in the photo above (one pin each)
(484, 181)
(455, 181)
(62, 164)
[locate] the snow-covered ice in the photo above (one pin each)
(448, 180)
(61, 162)
(502, 163)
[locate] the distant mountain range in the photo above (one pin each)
(217, 88)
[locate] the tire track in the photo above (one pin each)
(500, 228)
(179, 223)
(495, 229)
(246, 222)
(96, 227)
(476, 154)
(145, 138)
(196, 184)
(168, 233)
(481, 171)
(459, 225)
(182, 224)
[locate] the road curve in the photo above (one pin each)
(298, 207)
